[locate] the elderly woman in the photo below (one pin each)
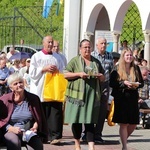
(22, 116)
(84, 74)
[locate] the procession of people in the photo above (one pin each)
(92, 76)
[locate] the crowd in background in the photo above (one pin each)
(86, 73)
(8, 67)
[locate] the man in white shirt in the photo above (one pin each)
(42, 62)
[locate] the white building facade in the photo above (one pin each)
(83, 17)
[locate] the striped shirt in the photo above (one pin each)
(106, 61)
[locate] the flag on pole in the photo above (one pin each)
(59, 3)
(46, 7)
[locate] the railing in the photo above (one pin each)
(27, 23)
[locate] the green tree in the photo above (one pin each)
(23, 20)
(132, 27)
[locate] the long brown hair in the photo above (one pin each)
(122, 69)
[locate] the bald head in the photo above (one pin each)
(48, 43)
(56, 46)
(12, 50)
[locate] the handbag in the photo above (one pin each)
(54, 87)
(110, 115)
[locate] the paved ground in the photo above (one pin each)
(140, 140)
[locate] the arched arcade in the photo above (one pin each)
(82, 18)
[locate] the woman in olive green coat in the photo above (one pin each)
(84, 74)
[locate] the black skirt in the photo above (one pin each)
(126, 108)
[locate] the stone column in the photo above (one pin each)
(72, 25)
(116, 35)
(147, 47)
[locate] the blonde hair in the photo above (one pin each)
(122, 69)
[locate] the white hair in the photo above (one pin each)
(14, 77)
(100, 38)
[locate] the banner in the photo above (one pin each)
(46, 7)
(59, 3)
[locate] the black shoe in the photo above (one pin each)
(99, 140)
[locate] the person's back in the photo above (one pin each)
(23, 69)
(27, 80)
(11, 52)
(57, 50)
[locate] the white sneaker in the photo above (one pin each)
(141, 121)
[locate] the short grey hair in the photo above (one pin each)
(143, 68)
(101, 38)
(11, 48)
(14, 77)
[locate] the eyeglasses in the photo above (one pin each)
(55, 46)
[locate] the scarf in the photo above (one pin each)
(76, 87)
